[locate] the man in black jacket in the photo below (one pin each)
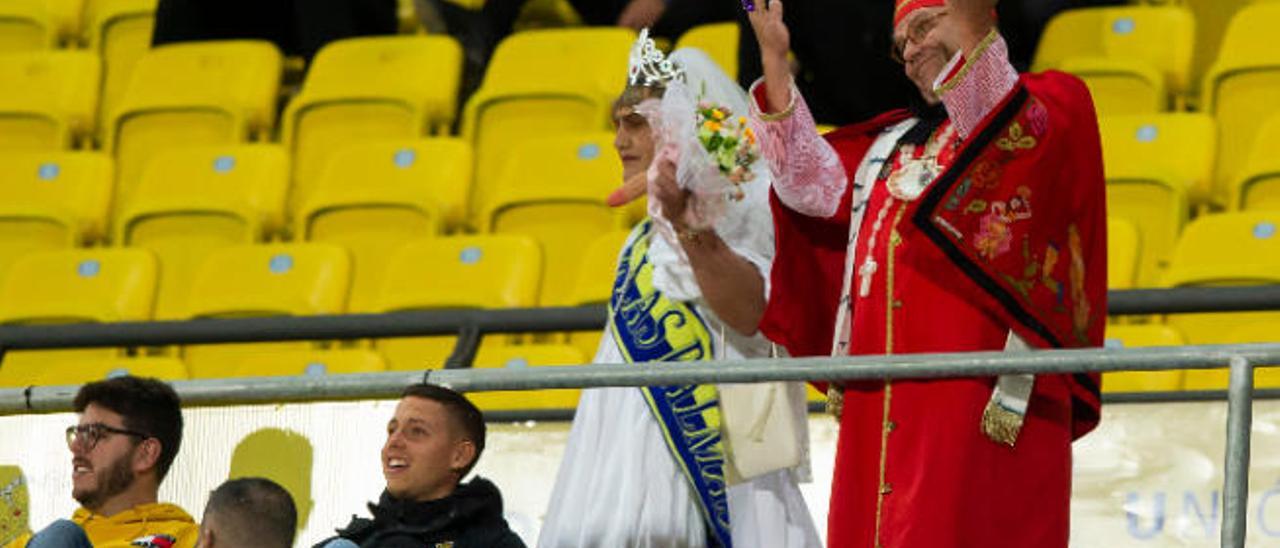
(433, 441)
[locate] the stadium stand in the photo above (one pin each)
(529, 355)
(594, 283)
(1131, 57)
(375, 88)
(264, 280)
(540, 83)
(56, 105)
(1124, 247)
(1127, 336)
(119, 31)
(297, 362)
(51, 200)
(1258, 186)
(374, 198)
(553, 189)
(456, 273)
(193, 200)
(39, 372)
(719, 40)
(76, 286)
(198, 93)
(1225, 249)
(1152, 163)
(26, 27)
(1242, 89)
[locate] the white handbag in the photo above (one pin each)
(760, 428)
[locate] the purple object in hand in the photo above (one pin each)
(749, 5)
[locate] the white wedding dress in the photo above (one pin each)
(618, 484)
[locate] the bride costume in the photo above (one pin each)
(623, 480)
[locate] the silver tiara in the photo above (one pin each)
(649, 67)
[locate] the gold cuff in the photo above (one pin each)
(689, 235)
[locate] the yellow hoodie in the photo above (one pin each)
(163, 525)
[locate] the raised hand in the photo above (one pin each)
(771, 32)
(775, 41)
(968, 23)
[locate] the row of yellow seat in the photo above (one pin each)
(372, 198)
(1158, 165)
(1138, 60)
(120, 284)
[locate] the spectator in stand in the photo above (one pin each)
(433, 441)
(127, 437)
(248, 513)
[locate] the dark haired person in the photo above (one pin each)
(128, 435)
(434, 439)
(248, 513)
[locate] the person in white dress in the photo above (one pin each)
(624, 480)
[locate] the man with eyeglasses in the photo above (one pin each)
(976, 221)
(126, 439)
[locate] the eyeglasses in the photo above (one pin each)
(919, 28)
(91, 434)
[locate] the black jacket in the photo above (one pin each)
(469, 518)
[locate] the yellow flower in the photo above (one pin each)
(742, 121)
(711, 126)
(717, 114)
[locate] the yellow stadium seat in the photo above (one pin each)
(119, 31)
(1130, 56)
(77, 286)
(372, 88)
(25, 26)
(191, 201)
(1242, 89)
(553, 189)
(1227, 249)
(1153, 162)
(594, 283)
(67, 17)
(51, 200)
(292, 362)
(1258, 185)
(718, 40)
(1124, 246)
(457, 272)
(539, 83)
(530, 355)
(265, 280)
(193, 93)
(376, 197)
(60, 373)
(1134, 336)
(1264, 375)
(55, 105)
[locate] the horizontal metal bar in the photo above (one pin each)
(1193, 299)
(906, 366)
(531, 320)
(298, 328)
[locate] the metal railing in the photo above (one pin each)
(472, 324)
(1240, 359)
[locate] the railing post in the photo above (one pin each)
(1235, 483)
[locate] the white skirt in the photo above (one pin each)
(618, 485)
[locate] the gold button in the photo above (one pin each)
(891, 426)
(886, 488)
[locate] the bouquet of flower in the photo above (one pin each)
(730, 142)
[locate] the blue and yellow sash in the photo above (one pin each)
(649, 327)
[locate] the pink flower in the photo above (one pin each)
(1037, 119)
(994, 238)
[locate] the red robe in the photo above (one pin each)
(913, 468)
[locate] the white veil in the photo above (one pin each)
(745, 225)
